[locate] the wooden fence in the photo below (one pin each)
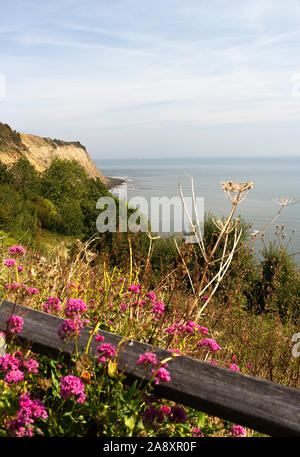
(245, 400)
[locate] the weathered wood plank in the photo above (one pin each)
(256, 403)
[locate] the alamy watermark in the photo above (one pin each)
(2, 86)
(164, 215)
(296, 347)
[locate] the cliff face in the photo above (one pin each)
(41, 151)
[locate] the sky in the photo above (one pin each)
(159, 78)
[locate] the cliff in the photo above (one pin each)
(41, 151)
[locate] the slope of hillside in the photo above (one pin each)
(41, 151)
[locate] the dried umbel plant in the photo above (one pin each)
(235, 193)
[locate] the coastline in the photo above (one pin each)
(114, 182)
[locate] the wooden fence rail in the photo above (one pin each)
(245, 400)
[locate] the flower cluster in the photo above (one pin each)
(14, 367)
(9, 262)
(31, 290)
(17, 250)
(75, 307)
(15, 323)
(71, 385)
(190, 328)
(161, 374)
(70, 329)
(12, 286)
(158, 309)
(135, 288)
(107, 351)
(211, 344)
(29, 411)
(52, 304)
(237, 431)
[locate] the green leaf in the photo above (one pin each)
(130, 422)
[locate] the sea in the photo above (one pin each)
(273, 179)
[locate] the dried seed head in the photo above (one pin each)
(236, 192)
(221, 224)
(283, 201)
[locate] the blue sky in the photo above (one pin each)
(167, 78)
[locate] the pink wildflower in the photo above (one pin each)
(147, 359)
(99, 338)
(75, 307)
(9, 262)
(196, 432)
(71, 385)
(209, 343)
(15, 323)
(165, 409)
(158, 309)
(151, 295)
(161, 375)
(9, 362)
(134, 288)
(237, 430)
(20, 268)
(12, 286)
(52, 304)
(234, 367)
(14, 376)
(17, 250)
(106, 351)
(70, 329)
(31, 290)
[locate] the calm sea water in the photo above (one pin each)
(272, 177)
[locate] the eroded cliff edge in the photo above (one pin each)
(42, 151)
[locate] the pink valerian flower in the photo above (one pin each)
(165, 410)
(176, 351)
(210, 344)
(70, 329)
(29, 411)
(12, 286)
(75, 307)
(233, 367)
(151, 296)
(20, 268)
(15, 323)
(188, 329)
(212, 362)
(135, 288)
(17, 250)
(237, 430)
(9, 362)
(9, 262)
(31, 290)
(148, 358)
(71, 385)
(196, 432)
(107, 351)
(14, 376)
(31, 365)
(161, 375)
(123, 308)
(158, 309)
(204, 298)
(99, 338)
(52, 304)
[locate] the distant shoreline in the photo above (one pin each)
(114, 182)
